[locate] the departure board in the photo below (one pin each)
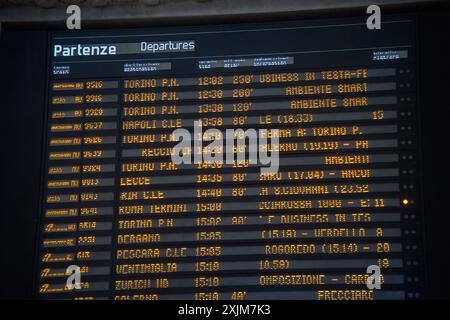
(339, 99)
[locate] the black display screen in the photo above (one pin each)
(344, 195)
